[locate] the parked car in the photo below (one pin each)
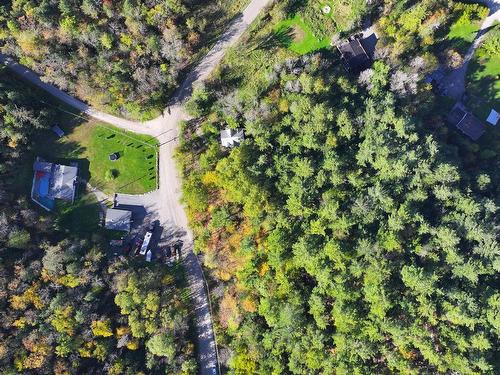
(178, 248)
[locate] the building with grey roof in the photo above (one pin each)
(63, 182)
(354, 55)
(53, 181)
(466, 122)
(118, 219)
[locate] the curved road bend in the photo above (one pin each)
(455, 81)
(164, 204)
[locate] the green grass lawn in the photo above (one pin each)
(467, 21)
(90, 144)
(297, 36)
(135, 170)
(462, 34)
(483, 76)
(81, 217)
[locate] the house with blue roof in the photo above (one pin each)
(53, 181)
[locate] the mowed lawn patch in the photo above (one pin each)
(468, 20)
(90, 144)
(483, 76)
(134, 171)
(297, 36)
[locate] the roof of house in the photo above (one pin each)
(471, 126)
(63, 182)
(118, 219)
(354, 55)
(54, 181)
(466, 122)
(42, 166)
(493, 117)
(230, 137)
(456, 114)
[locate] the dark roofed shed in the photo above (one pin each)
(471, 126)
(456, 114)
(354, 55)
(466, 122)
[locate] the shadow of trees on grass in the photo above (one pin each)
(281, 38)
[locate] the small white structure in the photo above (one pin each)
(145, 244)
(231, 138)
(493, 117)
(149, 255)
(326, 9)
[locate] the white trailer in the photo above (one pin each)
(145, 243)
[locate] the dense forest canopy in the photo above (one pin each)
(125, 56)
(65, 307)
(353, 231)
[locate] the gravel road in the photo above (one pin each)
(164, 204)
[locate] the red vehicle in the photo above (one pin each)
(136, 246)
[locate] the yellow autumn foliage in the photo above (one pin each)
(20, 323)
(210, 178)
(249, 305)
(62, 320)
(36, 359)
(101, 328)
(86, 350)
(29, 296)
(122, 331)
(133, 344)
(69, 280)
(264, 267)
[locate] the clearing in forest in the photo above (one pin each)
(296, 35)
(134, 171)
(92, 143)
(483, 76)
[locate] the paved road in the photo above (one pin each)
(455, 81)
(164, 205)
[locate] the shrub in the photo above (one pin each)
(111, 174)
(19, 239)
